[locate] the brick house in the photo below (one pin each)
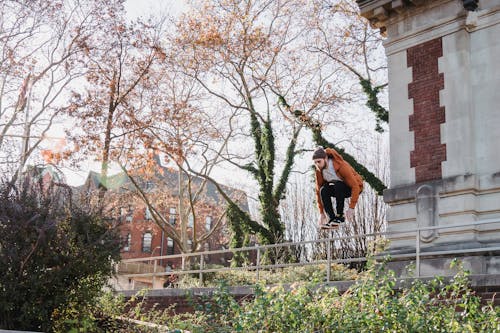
(142, 237)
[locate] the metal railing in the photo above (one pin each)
(148, 266)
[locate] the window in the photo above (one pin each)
(208, 223)
(128, 241)
(206, 247)
(147, 214)
(190, 220)
(123, 211)
(146, 242)
(172, 215)
(126, 214)
(170, 246)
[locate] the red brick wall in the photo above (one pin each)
(139, 225)
(427, 112)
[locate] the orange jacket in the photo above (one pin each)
(346, 173)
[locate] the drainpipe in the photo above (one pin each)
(161, 246)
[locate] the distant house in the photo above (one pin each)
(47, 178)
(142, 237)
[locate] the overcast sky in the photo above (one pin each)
(136, 8)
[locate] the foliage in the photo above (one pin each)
(108, 110)
(55, 257)
(43, 44)
(252, 50)
(310, 273)
(373, 304)
(376, 302)
(381, 113)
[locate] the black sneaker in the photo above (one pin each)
(330, 225)
(333, 223)
(338, 219)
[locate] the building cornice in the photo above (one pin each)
(378, 12)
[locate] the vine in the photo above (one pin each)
(316, 128)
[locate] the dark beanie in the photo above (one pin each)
(319, 153)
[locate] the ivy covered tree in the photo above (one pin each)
(242, 53)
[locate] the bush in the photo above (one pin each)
(316, 273)
(372, 304)
(55, 258)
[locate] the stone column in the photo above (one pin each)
(444, 102)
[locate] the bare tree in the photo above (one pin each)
(343, 37)
(192, 137)
(119, 73)
(41, 47)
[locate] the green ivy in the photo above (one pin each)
(381, 114)
(319, 139)
(271, 230)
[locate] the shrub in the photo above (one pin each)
(55, 258)
(309, 273)
(372, 304)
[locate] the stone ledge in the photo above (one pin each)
(456, 185)
(486, 286)
(477, 280)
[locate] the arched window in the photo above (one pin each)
(147, 214)
(146, 242)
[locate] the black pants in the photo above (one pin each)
(338, 190)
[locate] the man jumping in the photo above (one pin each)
(335, 178)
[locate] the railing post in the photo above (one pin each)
(202, 267)
(329, 259)
(417, 253)
(154, 273)
(258, 263)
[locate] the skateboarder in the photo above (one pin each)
(335, 178)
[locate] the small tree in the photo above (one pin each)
(54, 256)
(42, 44)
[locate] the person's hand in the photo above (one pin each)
(322, 219)
(350, 215)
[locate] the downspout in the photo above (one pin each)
(161, 246)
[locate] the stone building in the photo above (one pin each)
(444, 75)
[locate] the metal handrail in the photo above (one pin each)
(329, 261)
(249, 248)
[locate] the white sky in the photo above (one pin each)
(136, 8)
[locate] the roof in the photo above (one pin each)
(164, 178)
(38, 172)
